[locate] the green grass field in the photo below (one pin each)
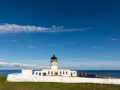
(53, 86)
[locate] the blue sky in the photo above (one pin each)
(83, 34)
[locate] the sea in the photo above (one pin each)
(114, 73)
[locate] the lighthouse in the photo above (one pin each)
(54, 64)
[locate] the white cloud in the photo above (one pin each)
(54, 27)
(14, 28)
(6, 49)
(108, 56)
(32, 47)
(4, 64)
(71, 43)
(53, 45)
(1, 59)
(3, 40)
(40, 62)
(95, 47)
(114, 39)
(14, 40)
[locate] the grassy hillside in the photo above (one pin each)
(52, 86)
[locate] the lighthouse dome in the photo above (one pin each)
(53, 58)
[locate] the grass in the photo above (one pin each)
(53, 86)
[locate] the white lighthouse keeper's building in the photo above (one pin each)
(54, 71)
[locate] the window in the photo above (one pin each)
(44, 74)
(63, 72)
(66, 72)
(39, 74)
(51, 72)
(71, 74)
(36, 73)
(60, 72)
(48, 72)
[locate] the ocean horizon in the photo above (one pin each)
(114, 73)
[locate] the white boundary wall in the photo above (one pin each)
(33, 78)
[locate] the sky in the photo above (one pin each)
(83, 34)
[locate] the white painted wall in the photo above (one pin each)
(67, 73)
(27, 71)
(73, 73)
(32, 78)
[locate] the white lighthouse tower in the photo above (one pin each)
(54, 64)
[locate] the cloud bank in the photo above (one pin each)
(80, 65)
(14, 28)
(4, 64)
